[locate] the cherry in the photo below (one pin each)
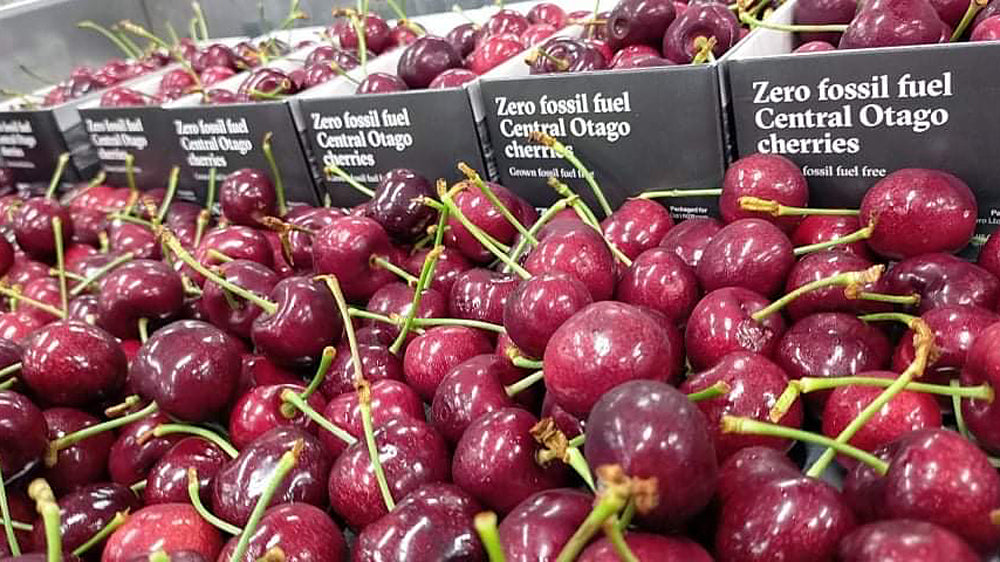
(898, 540)
(431, 355)
(300, 241)
(722, 322)
(189, 368)
(638, 22)
(578, 251)
(24, 433)
(653, 431)
(794, 518)
(936, 209)
(539, 305)
(18, 325)
(815, 229)
(982, 367)
(257, 370)
(396, 299)
(390, 399)
(934, 475)
(259, 411)
(452, 78)
(424, 59)
(604, 345)
(942, 280)
(168, 479)
(481, 294)
(480, 211)
(986, 30)
(345, 247)
(46, 291)
(304, 322)
(493, 50)
(236, 242)
(216, 54)
(378, 37)
(755, 384)
(169, 527)
(135, 290)
(127, 97)
(239, 484)
(265, 83)
(377, 363)
(462, 38)
(538, 527)
(219, 96)
(230, 312)
(893, 23)
(300, 531)
(820, 265)
(397, 204)
(135, 238)
(638, 225)
(412, 454)
(955, 330)
(748, 253)
(831, 344)
(689, 238)
(72, 363)
(560, 54)
(469, 391)
(823, 12)
(381, 83)
(751, 467)
(645, 546)
(246, 196)
(215, 74)
(538, 32)
(176, 83)
(660, 280)
(85, 512)
(134, 452)
(83, 462)
(766, 176)
(706, 20)
(33, 227)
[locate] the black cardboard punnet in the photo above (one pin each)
(429, 131)
(850, 117)
(31, 141)
(636, 130)
(229, 137)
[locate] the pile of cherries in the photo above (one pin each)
(85, 80)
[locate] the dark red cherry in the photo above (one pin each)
(478, 209)
(568, 55)
(86, 511)
(765, 176)
(748, 253)
(955, 329)
(135, 451)
(259, 411)
(397, 204)
(82, 463)
(452, 78)
(432, 354)
(638, 22)
(899, 540)
(303, 532)
(305, 322)
(396, 299)
(481, 294)
(451, 263)
(259, 371)
(823, 12)
(135, 238)
(538, 527)
(469, 391)
(390, 399)
(653, 431)
(539, 305)
(73, 363)
(751, 467)
(33, 227)
(377, 35)
(982, 366)
(377, 363)
(170, 527)
(705, 20)
(381, 83)
(822, 228)
(236, 242)
(646, 546)
(722, 322)
(168, 479)
(660, 280)
(580, 252)
(23, 431)
(138, 289)
(189, 368)
(821, 265)
(893, 23)
(638, 225)
(246, 196)
(345, 248)
(689, 238)
(126, 97)
(424, 59)
(463, 38)
(941, 280)
(231, 312)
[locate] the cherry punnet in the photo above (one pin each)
(823, 12)
(434, 522)
(412, 454)
(654, 432)
(300, 531)
(890, 23)
(136, 290)
(749, 253)
(754, 384)
(189, 368)
(24, 432)
(831, 344)
(793, 518)
(816, 229)
(424, 59)
(495, 460)
(230, 312)
(604, 345)
(934, 475)
(73, 363)
(767, 176)
(943, 279)
(471, 390)
(168, 479)
(703, 21)
(539, 526)
(639, 22)
(170, 527)
(660, 280)
(899, 540)
(935, 209)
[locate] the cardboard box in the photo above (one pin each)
(850, 117)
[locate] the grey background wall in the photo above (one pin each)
(42, 34)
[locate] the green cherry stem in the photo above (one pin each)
(776, 209)
(139, 486)
(956, 406)
(750, 20)
(194, 494)
(202, 23)
(60, 263)
(206, 214)
(219, 256)
(544, 219)
(525, 363)
(120, 33)
(421, 322)
(143, 326)
(923, 342)
(290, 397)
(848, 279)
(18, 297)
(907, 300)
(487, 191)
(705, 51)
(478, 234)
(8, 384)
(104, 270)
(279, 184)
(486, 526)
(588, 218)
(57, 175)
(168, 198)
(178, 250)
(613, 530)
(363, 389)
(627, 514)
(610, 503)
(130, 180)
(980, 392)
(8, 525)
(45, 503)
(426, 271)
(525, 383)
(560, 149)
(379, 261)
(720, 388)
(129, 53)
(967, 17)
(20, 525)
(329, 353)
(285, 465)
(159, 556)
(785, 401)
(73, 438)
(748, 426)
(334, 170)
(673, 193)
(860, 234)
(206, 434)
(117, 521)
(907, 319)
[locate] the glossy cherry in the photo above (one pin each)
(432, 354)
(231, 312)
(822, 228)
(647, 546)
(893, 23)
(79, 464)
(246, 196)
(397, 204)
(377, 363)
(469, 391)
(170, 527)
(381, 83)
(73, 363)
(424, 59)
(942, 279)
(539, 306)
(749, 253)
(138, 289)
(955, 329)
(481, 294)
(24, 433)
(766, 176)
(538, 527)
(301, 531)
(345, 248)
(899, 540)
(703, 20)
(305, 322)
(722, 322)
(33, 227)
(135, 452)
(689, 238)
(168, 479)
(259, 411)
(660, 280)
(85, 512)
(823, 12)
(390, 399)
